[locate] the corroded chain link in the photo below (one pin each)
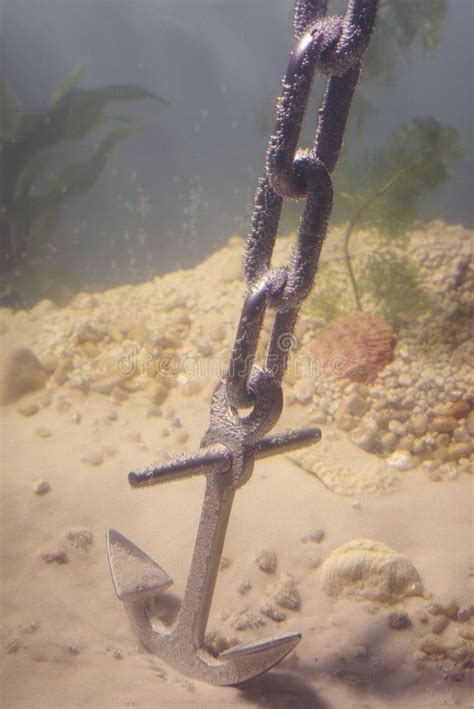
(332, 46)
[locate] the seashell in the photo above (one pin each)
(370, 570)
(356, 345)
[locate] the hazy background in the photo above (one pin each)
(180, 188)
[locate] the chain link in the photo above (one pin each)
(332, 46)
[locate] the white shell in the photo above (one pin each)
(370, 570)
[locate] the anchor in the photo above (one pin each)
(232, 443)
(228, 451)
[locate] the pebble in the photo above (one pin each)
(28, 409)
(55, 557)
(464, 614)
(247, 621)
(419, 423)
(459, 450)
(355, 405)
(81, 538)
(443, 424)
(43, 432)
(304, 391)
(267, 561)
(439, 625)
(41, 487)
(398, 620)
(94, 458)
(460, 409)
(316, 535)
(398, 428)
(272, 612)
(76, 417)
(388, 441)
(401, 460)
(366, 436)
(21, 373)
(243, 587)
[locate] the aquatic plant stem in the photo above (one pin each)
(347, 259)
(356, 216)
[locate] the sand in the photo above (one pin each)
(65, 637)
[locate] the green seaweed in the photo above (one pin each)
(28, 143)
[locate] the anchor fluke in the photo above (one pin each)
(134, 574)
(284, 644)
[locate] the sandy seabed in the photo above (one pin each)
(65, 637)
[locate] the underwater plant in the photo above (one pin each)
(380, 192)
(29, 142)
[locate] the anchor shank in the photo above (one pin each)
(194, 612)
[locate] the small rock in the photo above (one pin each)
(285, 594)
(439, 624)
(247, 621)
(55, 557)
(388, 441)
(419, 423)
(443, 424)
(316, 535)
(355, 405)
(304, 391)
(401, 460)
(76, 417)
(398, 620)
(94, 458)
(28, 409)
(243, 587)
(464, 614)
(271, 612)
(460, 409)
(366, 436)
(41, 487)
(43, 432)
(21, 373)
(459, 450)
(13, 645)
(267, 561)
(81, 538)
(398, 428)
(224, 563)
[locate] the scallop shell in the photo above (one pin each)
(356, 345)
(369, 570)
